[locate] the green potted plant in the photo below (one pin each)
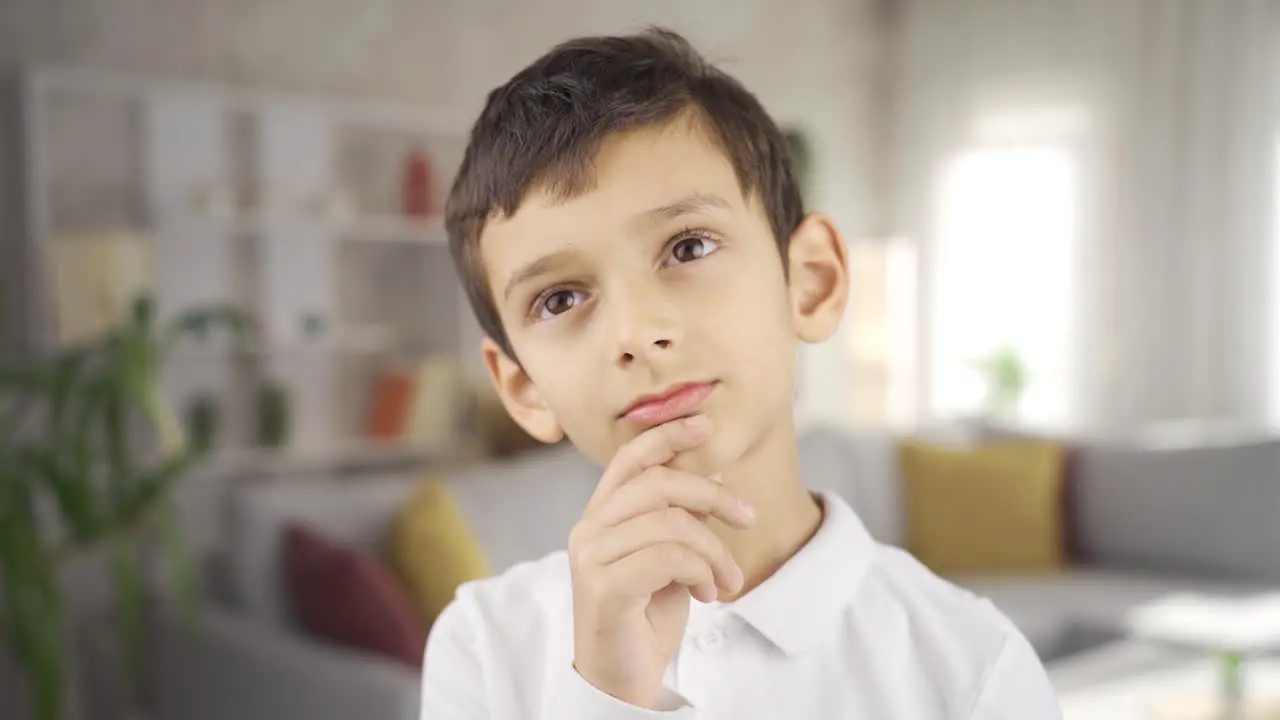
(1005, 377)
(70, 440)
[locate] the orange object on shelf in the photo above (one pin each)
(393, 396)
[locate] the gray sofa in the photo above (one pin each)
(1153, 518)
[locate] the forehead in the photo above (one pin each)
(634, 172)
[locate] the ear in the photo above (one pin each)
(818, 276)
(519, 395)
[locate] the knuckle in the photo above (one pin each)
(675, 555)
(652, 476)
(676, 521)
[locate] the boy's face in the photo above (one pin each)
(660, 277)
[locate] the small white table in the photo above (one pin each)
(1230, 680)
(1185, 692)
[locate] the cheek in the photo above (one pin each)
(756, 334)
(565, 382)
(750, 310)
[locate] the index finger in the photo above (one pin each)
(650, 448)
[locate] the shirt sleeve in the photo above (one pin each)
(580, 700)
(1017, 687)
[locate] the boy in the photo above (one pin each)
(627, 226)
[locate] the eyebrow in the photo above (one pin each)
(684, 206)
(541, 266)
(689, 204)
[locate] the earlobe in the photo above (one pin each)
(818, 277)
(519, 395)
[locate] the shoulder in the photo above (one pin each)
(491, 650)
(936, 603)
(530, 596)
(962, 639)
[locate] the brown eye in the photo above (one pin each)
(558, 302)
(694, 247)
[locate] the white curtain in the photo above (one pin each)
(1167, 111)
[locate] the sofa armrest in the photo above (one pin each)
(223, 666)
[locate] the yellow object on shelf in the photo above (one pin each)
(94, 278)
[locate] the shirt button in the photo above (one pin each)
(711, 639)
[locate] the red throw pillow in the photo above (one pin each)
(350, 597)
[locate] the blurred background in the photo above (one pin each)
(247, 449)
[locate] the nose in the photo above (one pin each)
(647, 326)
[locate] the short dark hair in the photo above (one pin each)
(544, 127)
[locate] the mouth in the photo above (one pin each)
(671, 404)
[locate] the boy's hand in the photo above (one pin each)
(638, 553)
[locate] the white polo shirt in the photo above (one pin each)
(847, 628)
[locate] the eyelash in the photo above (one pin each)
(687, 234)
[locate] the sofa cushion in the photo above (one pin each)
(350, 597)
(989, 507)
(523, 507)
(433, 549)
(520, 509)
(1070, 475)
(1205, 509)
(355, 514)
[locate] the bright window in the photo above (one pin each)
(1002, 279)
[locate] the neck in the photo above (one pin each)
(787, 515)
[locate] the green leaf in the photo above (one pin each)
(64, 379)
(32, 597)
(182, 571)
(116, 441)
(14, 380)
(155, 485)
(128, 592)
(72, 491)
(19, 392)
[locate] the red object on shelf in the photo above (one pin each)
(419, 186)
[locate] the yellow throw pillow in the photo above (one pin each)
(434, 550)
(988, 508)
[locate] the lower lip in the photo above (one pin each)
(678, 404)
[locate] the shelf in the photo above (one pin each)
(365, 112)
(376, 228)
(353, 454)
(353, 340)
(286, 207)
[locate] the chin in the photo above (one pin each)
(715, 456)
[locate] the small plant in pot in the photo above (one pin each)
(70, 444)
(1005, 377)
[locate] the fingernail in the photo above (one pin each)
(747, 509)
(738, 578)
(717, 478)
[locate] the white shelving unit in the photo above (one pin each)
(285, 206)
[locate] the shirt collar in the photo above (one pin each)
(798, 605)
